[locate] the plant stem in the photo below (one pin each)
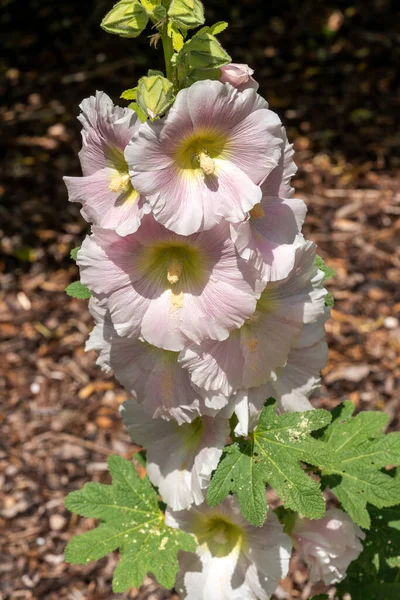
(168, 54)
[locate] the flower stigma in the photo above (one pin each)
(174, 271)
(257, 212)
(119, 182)
(207, 164)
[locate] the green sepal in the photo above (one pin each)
(176, 36)
(203, 52)
(154, 9)
(127, 18)
(78, 290)
(273, 454)
(74, 253)
(132, 521)
(218, 27)
(155, 95)
(129, 94)
(186, 14)
(201, 75)
(134, 106)
(328, 271)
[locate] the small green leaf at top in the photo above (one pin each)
(78, 290)
(273, 455)
(218, 27)
(74, 253)
(328, 271)
(129, 94)
(361, 452)
(131, 521)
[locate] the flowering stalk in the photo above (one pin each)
(209, 308)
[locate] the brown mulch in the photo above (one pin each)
(58, 413)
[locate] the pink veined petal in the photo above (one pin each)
(277, 182)
(119, 211)
(255, 144)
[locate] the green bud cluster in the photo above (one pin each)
(188, 59)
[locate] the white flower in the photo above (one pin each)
(234, 560)
(328, 545)
(180, 458)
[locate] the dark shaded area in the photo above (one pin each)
(329, 69)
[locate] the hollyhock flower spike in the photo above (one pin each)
(238, 75)
(180, 458)
(105, 190)
(234, 560)
(250, 356)
(205, 159)
(328, 545)
(167, 288)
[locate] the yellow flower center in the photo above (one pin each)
(220, 534)
(119, 182)
(199, 151)
(257, 212)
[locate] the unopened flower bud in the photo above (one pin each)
(128, 18)
(154, 95)
(186, 14)
(238, 75)
(204, 52)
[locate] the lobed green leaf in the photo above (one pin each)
(132, 522)
(273, 455)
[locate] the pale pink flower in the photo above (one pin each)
(170, 289)
(292, 384)
(105, 190)
(251, 356)
(205, 159)
(180, 458)
(328, 545)
(234, 560)
(153, 376)
(239, 75)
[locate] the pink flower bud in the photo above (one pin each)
(328, 545)
(238, 75)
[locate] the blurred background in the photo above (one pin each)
(329, 69)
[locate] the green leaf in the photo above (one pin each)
(273, 455)
(376, 573)
(74, 253)
(77, 290)
(329, 300)
(360, 451)
(129, 94)
(328, 271)
(132, 522)
(320, 597)
(218, 27)
(140, 113)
